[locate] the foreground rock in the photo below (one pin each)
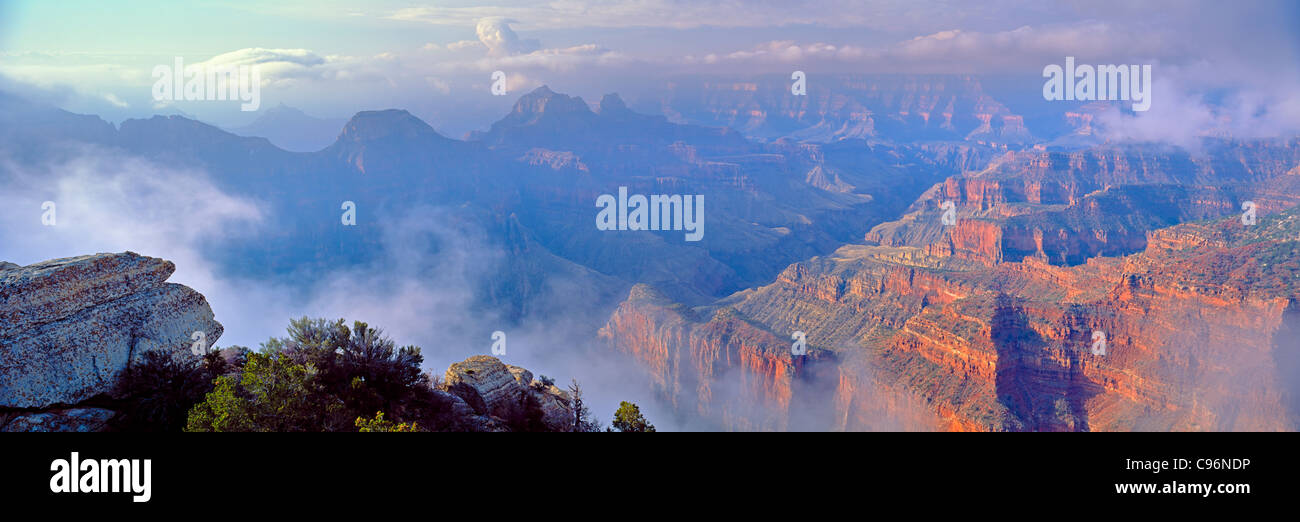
(69, 326)
(492, 388)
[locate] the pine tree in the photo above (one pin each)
(628, 418)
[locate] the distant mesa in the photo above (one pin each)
(292, 129)
(386, 124)
(612, 105)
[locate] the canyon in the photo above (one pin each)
(824, 218)
(988, 325)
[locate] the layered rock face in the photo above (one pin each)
(1066, 297)
(721, 369)
(1064, 208)
(1195, 333)
(492, 388)
(69, 326)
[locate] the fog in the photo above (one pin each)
(422, 289)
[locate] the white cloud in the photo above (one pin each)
(274, 64)
(686, 14)
(566, 59)
(1022, 50)
(465, 44)
(787, 51)
(1089, 40)
(500, 39)
(260, 56)
(117, 102)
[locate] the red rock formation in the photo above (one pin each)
(724, 369)
(1065, 208)
(1199, 329)
(977, 240)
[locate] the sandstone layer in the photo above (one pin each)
(1098, 290)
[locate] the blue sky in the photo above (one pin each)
(334, 58)
(206, 28)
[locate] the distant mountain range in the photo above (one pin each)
(896, 108)
(292, 129)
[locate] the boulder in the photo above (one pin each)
(69, 326)
(484, 382)
(490, 387)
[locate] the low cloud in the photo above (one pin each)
(423, 287)
(1190, 103)
(110, 202)
(267, 57)
(280, 65)
(565, 60)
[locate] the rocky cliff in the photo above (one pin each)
(988, 323)
(719, 368)
(69, 326)
(1067, 207)
(1195, 332)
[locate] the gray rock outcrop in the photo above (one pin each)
(69, 326)
(492, 387)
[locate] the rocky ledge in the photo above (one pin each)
(492, 388)
(69, 326)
